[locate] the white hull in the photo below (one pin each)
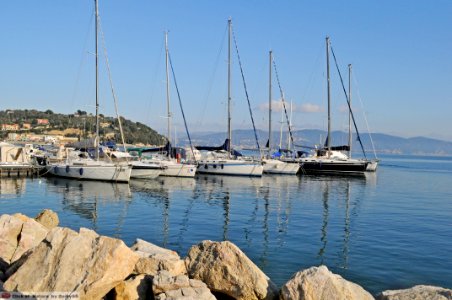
(175, 169)
(372, 166)
(92, 171)
(230, 167)
(143, 170)
(145, 173)
(275, 166)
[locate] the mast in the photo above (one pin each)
(329, 94)
(96, 139)
(270, 102)
(229, 87)
(349, 113)
(167, 88)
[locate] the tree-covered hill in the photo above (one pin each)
(81, 124)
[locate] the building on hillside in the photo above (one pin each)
(26, 126)
(10, 127)
(42, 121)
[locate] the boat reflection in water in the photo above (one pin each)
(84, 197)
(12, 186)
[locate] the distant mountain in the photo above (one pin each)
(79, 124)
(383, 143)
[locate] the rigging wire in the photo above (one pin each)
(284, 104)
(181, 108)
(364, 114)
(212, 78)
(246, 91)
(111, 86)
(348, 102)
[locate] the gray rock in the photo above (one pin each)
(48, 218)
(168, 287)
(137, 287)
(227, 270)
(418, 292)
(318, 283)
(154, 259)
(67, 261)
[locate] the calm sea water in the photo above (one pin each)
(388, 230)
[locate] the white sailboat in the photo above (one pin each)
(224, 160)
(85, 167)
(171, 166)
(333, 160)
(271, 165)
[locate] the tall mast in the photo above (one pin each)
(97, 81)
(270, 102)
(229, 86)
(349, 113)
(167, 88)
(329, 93)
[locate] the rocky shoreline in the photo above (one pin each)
(37, 256)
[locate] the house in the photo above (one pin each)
(26, 126)
(42, 121)
(10, 127)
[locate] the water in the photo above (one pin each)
(387, 230)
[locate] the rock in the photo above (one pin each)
(154, 258)
(138, 287)
(48, 218)
(18, 234)
(168, 287)
(67, 261)
(318, 283)
(227, 270)
(418, 292)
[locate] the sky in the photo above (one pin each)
(400, 52)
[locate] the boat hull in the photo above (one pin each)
(230, 167)
(274, 166)
(179, 170)
(116, 173)
(324, 166)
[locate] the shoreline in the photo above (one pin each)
(89, 266)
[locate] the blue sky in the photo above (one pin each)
(400, 52)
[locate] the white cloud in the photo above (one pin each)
(310, 108)
(277, 106)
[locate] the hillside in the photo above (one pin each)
(310, 137)
(77, 125)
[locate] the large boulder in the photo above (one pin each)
(227, 270)
(48, 218)
(154, 259)
(134, 288)
(18, 234)
(318, 283)
(67, 261)
(418, 292)
(168, 287)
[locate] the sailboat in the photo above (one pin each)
(224, 160)
(83, 167)
(172, 165)
(329, 159)
(271, 165)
